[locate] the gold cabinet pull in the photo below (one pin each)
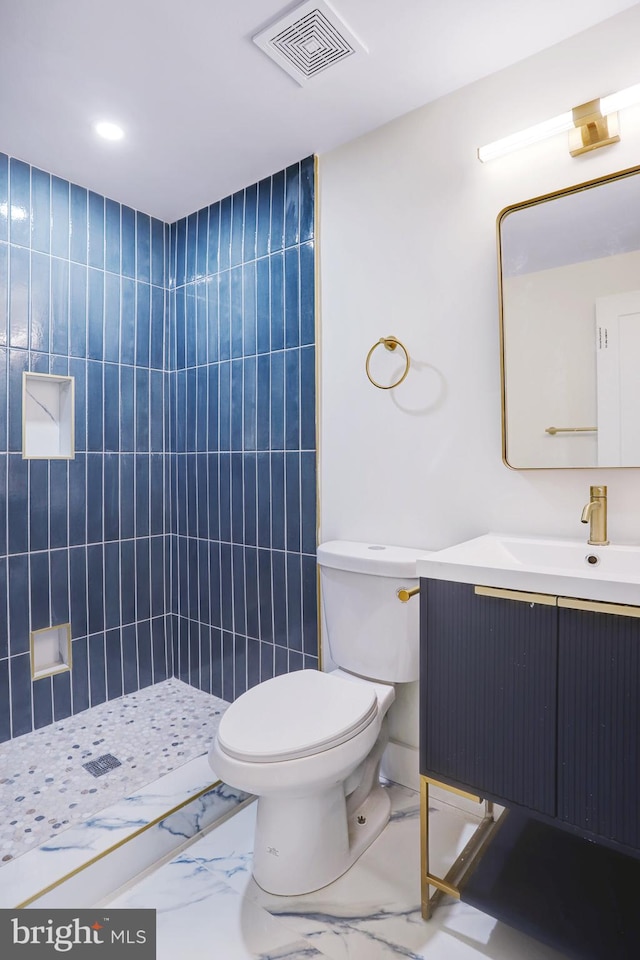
(599, 606)
(405, 595)
(521, 595)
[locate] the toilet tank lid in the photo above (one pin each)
(379, 560)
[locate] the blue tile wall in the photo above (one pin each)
(242, 426)
(82, 292)
(181, 538)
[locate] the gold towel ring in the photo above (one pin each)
(389, 343)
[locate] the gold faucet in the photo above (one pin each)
(595, 513)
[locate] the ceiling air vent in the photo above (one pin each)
(308, 40)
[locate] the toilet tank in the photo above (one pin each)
(370, 632)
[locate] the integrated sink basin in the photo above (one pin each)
(569, 568)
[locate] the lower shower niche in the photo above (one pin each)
(50, 650)
(47, 417)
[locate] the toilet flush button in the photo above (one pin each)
(377, 548)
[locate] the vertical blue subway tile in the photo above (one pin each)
(277, 502)
(157, 328)
(224, 316)
(142, 495)
(60, 307)
(213, 494)
(224, 494)
(203, 582)
(213, 376)
(181, 252)
(40, 302)
(160, 669)
(96, 230)
(249, 309)
(95, 525)
(291, 298)
(145, 669)
(201, 408)
(226, 586)
(111, 585)
(111, 407)
(224, 246)
(39, 590)
(276, 264)
(307, 294)
(237, 228)
(20, 695)
(224, 406)
(142, 409)
(181, 328)
(80, 675)
(192, 579)
(78, 500)
(127, 410)
(263, 217)
(4, 292)
(236, 312)
(250, 222)
(111, 496)
(296, 661)
(18, 363)
(42, 703)
(308, 501)
(18, 515)
(251, 599)
(192, 239)
(202, 241)
(277, 212)
(277, 401)
(191, 399)
(156, 409)
(5, 699)
(97, 671)
(113, 647)
(237, 499)
(4, 196)
(60, 218)
(40, 210)
(292, 500)
(264, 499)
(279, 598)
(201, 322)
(192, 504)
(249, 402)
(4, 619)
(78, 370)
(205, 658)
(143, 579)
(250, 505)
(307, 193)
(20, 204)
(236, 404)
(78, 310)
(61, 695)
(214, 239)
(292, 205)
(19, 298)
(95, 403)
(129, 659)
(263, 307)
(215, 580)
(266, 661)
(307, 398)
(157, 252)
(128, 242)
(111, 317)
(127, 496)
(294, 602)
(127, 581)
(170, 254)
(292, 403)
(95, 315)
(4, 383)
(128, 321)
(112, 237)
(190, 325)
(59, 503)
(38, 505)
(143, 319)
(59, 578)
(78, 590)
(143, 247)
(157, 576)
(265, 595)
(78, 221)
(309, 606)
(18, 576)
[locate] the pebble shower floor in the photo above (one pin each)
(44, 787)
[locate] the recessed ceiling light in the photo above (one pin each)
(109, 131)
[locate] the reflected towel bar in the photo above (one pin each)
(554, 430)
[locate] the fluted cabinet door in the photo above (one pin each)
(488, 694)
(599, 724)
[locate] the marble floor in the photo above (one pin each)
(44, 787)
(208, 905)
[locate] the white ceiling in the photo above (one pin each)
(206, 112)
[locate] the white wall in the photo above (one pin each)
(407, 247)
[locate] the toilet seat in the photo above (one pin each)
(295, 715)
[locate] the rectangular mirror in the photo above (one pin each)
(570, 326)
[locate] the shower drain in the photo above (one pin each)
(102, 765)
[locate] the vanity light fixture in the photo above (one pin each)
(591, 125)
(108, 130)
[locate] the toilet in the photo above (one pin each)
(308, 744)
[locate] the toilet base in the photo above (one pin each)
(305, 843)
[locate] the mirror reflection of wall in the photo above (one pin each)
(570, 286)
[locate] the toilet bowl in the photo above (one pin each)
(320, 803)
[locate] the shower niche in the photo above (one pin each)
(47, 417)
(50, 650)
